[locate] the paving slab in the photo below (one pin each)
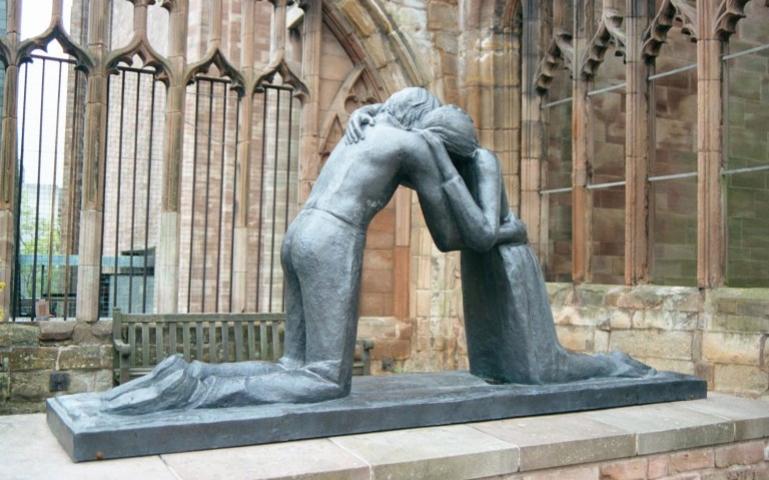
(667, 427)
(750, 417)
(28, 451)
(317, 459)
(557, 440)
(441, 453)
(375, 404)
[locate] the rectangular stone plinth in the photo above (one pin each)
(375, 404)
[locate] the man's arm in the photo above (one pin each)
(359, 119)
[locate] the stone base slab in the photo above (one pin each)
(375, 404)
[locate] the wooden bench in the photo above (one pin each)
(142, 341)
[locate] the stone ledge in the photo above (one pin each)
(533, 445)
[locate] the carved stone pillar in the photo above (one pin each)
(243, 190)
(636, 146)
(582, 135)
(533, 35)
(8, 161)
(710, 221)
(167, 263)
(309, 158)
(92, 207)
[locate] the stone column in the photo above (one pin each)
(636, 146)
(309, 159)
(582, 141)
(534, 34)
(710, 220)
(243, 190)
(92, 206)
(8, 161)
(167, 262)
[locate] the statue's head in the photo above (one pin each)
(410, 105)
(455, 128)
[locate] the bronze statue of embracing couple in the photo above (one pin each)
(409, 140)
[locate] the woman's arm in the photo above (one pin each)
(478, 222)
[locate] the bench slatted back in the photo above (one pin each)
(213, 338)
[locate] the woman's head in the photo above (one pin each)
(455, 128)
(410, 105)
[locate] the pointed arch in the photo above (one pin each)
(729, 13)
(669, 12)
(140, 46)
(609, 34)
(216, 57)
(56, 31)
(558, 52)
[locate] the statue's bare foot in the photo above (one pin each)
(176, 389)
(627, 366)
(172, 364)
(575, 367)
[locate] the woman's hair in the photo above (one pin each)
(410, 105)
(455, 129)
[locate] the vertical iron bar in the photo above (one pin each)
(265, 96)
(119, 182)
(208, 184)
(234, 196)
(37, 191)
(221, 197)
(288, 186)
(17, 275)
(274, 196)
(147, 200)
(71, 194)
(133, 194)
(53, 188)
(194, 182)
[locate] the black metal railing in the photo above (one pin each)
(136, 101)
(51, 93)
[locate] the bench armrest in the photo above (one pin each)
(123, 348)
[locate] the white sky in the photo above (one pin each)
(33, 22)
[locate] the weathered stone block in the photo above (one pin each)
(56, 331)
(455, 451)
(30, 385)
(658, 466)
(620, 319)
(85, 357)
(591, 295)
(740, 379)
(559, 440)
(665, 427)
(665, 320)
(579, 339)
(691, 460)
(32, 358)
(588, 472)
(653, 343)
(90, 381)
(17, 335)
(746, 453)
(738, 323)
(632, 469)
(685, 300)
(102, 330)
(731, 348)
(666, 364)
(643, 297)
